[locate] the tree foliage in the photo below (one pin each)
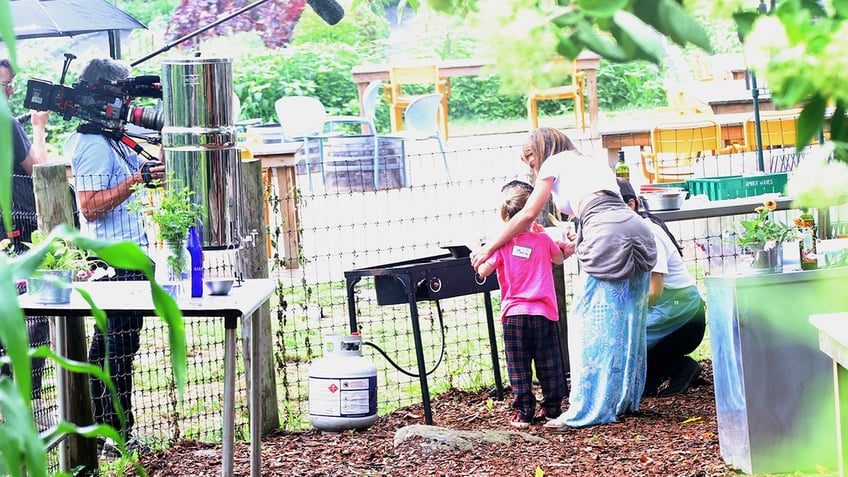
(274, 21)
(797, 45)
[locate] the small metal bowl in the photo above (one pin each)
(218, 286)
(655, 201)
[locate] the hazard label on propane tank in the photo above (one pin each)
(348, 397)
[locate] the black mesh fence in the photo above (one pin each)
(342, 222)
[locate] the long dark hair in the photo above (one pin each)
(653, 218)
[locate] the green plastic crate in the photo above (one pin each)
(682, 185)
(733, 187)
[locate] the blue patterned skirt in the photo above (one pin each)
(607, 350)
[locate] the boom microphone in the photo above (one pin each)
(329, 10)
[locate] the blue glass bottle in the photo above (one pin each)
(195, 250)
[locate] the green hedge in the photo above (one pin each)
(325, 73)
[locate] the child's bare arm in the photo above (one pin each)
(484, 270)
(558, 258)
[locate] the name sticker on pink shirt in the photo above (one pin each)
(521, 251)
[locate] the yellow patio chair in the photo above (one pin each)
(573, 91)
(397, 92)
(676, 147)
(777, 129)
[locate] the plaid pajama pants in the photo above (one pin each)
(533, 341)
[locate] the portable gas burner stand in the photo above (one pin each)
(431, 278)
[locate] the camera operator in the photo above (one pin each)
(105, 171)
(26, 154)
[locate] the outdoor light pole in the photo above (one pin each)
(751, 81)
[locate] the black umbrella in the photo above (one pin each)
(50, 18)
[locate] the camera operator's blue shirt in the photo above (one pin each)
(101, 164)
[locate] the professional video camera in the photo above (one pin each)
(106, 103)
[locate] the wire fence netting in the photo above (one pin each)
(343, 222)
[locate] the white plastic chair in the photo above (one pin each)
(421, 119)
(236, 108)
(369, 104)
(304, 118)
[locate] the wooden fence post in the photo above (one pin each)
(253, 262)
(54, 208)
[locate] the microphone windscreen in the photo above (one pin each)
(329, 10)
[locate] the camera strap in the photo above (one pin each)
(111, 137)
(121, 153)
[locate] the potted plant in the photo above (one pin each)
(762, 238)
(172, 211)
(62, 263)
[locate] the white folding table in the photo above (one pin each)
(135, 298)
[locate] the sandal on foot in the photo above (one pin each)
(555, 426)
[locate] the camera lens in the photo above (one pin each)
(149, 118)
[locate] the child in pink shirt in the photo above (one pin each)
(529, 312)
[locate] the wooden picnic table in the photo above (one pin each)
(833, 341)
(279, 160)
(724, 97)
(637, 132)
(586, 61)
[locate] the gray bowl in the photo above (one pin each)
(218, 286)
(655, 201)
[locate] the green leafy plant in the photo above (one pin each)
(172, 210)
(763, 229)
(60, 255)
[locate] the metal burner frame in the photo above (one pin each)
(432, 279)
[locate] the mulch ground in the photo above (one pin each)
(672, 436)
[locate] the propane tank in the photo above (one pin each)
(342, 386)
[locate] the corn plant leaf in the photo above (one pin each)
(21, 446)
(671, 19)
(838, 123)
(584, 32)
(840, 8)
(13, 329)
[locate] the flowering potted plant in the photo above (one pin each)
(762, 237)
(763, 229)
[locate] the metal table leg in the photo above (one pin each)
(255, 410)
(229, 397)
